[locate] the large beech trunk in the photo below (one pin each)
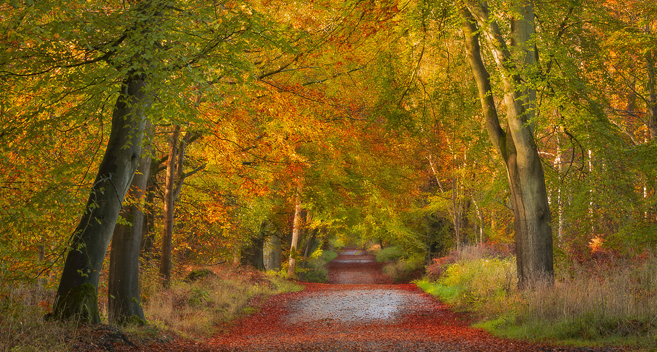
(124, 302)
(296, 223)
(77, 292)
(532, 219)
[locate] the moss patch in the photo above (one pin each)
(199, 274)
(80, 302)
(136, 320)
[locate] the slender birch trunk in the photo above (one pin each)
(296, 224)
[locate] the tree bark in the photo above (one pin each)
(148, 234)
(77, 292)
(167, 235)
(307, 251)
(274, 262)
(253, 256)
(124, 302)
(532, 219)
(652, 95)
(296, 223)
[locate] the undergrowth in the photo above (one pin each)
(315, 268)
(22, 323)
(389, 254)
(195, 308)
(612, 305)
(403, 268)
(191, 308)
(400, 266)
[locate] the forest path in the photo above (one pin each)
(360, 310)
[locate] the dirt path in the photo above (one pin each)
(359, 310)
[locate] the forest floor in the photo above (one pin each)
(358, 310)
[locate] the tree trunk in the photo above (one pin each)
(295, 233)
(307, 251)
(456, 214)
(652, 96)
(148, 235)
(253, 256)
(560, 210)
(77, 292)
(532, 219)
(124, 303)
(274, 262)
(167, 235)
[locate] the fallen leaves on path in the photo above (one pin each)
(358, 311)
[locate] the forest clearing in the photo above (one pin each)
(177, 172)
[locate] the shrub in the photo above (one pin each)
(199, 274)
(374, 249)
(403, 269)
(336, 243)
(475, 283)
(315, 270)
(389, 254)
(468, 253)
(439, 265)
(327, 256)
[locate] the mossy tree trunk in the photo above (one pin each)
(77, 292)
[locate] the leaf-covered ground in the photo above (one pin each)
(358, 310)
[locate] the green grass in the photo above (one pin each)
(448, 294)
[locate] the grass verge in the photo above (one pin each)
(587, 306)
(196, 308)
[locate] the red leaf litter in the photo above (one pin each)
(358, 310)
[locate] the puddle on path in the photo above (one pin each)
(354, 306)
